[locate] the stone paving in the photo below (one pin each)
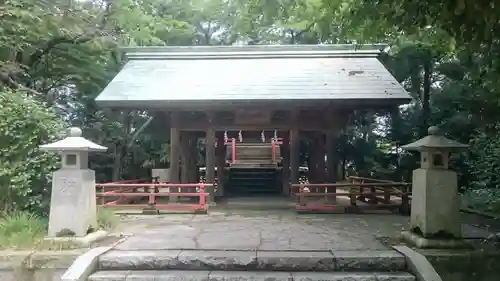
(259, 230)
(258, 245)
(278, 230)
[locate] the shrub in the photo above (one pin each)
(483, 199)
(21, 230)
(25, 171)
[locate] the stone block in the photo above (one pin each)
(249, 276)
(395, 276)
(150, 275)
(337, 276)
(109, 276)
(369, 261)
(295, 261)
(217, 260)
(55, 259)
(139, 260)
(435, 207)
(72, 204)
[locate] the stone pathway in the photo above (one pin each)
(276, 230)
(258, 246)
(259, 230)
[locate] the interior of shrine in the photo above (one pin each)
(255, 162)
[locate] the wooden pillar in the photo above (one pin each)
(185, 157)
(331, 154)
(331, 160)
(320, 157)
(285, 151)
(174, 151)
(193, 159)
(294, 155)
(210, 157)
(312, 175)
(221, 163)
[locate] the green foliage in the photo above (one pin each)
(21, 230)
(484, 162)
(26, 231)
(472, 23)
(56, 58)
(486, 199)
(25, 171)
(106, 218)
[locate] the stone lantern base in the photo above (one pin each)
(429, 243)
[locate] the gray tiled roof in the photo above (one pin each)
(184, 75)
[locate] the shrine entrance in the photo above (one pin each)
(254, 164)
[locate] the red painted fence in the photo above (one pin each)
(130, 192)
(380, 195)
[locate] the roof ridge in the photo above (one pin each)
(253, 51)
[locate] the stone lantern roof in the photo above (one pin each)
(434, 141)
(74, 142)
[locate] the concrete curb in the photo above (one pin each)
(418, 265)
(81, 241)
(86, 264)
(425, 243)
(41, 259)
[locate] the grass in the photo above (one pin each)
(20, 229)
(106, 218)
(25, 231)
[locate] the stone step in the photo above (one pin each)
(363, 261)
(176, 275)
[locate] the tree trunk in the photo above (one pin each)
(426, 107)
(117, 163)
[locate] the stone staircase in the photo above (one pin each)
(253, 181)
(197, 265)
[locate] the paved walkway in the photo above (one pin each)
(263, 230)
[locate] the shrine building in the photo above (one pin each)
(252, 104)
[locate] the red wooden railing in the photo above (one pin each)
(275, 142)
(381, 193)
(233, 150)
(152, 192)
(232, 143)
(121, 200)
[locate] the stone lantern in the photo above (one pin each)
(435, 207)
(73, 201)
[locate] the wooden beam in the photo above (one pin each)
(285, 152)
(185, 157)
(193, 160)
(294, 150)
(221, 162)
(174, 151)
(306, 120)
(210, 156)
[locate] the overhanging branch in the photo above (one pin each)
(96, 32)
(7, 80)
